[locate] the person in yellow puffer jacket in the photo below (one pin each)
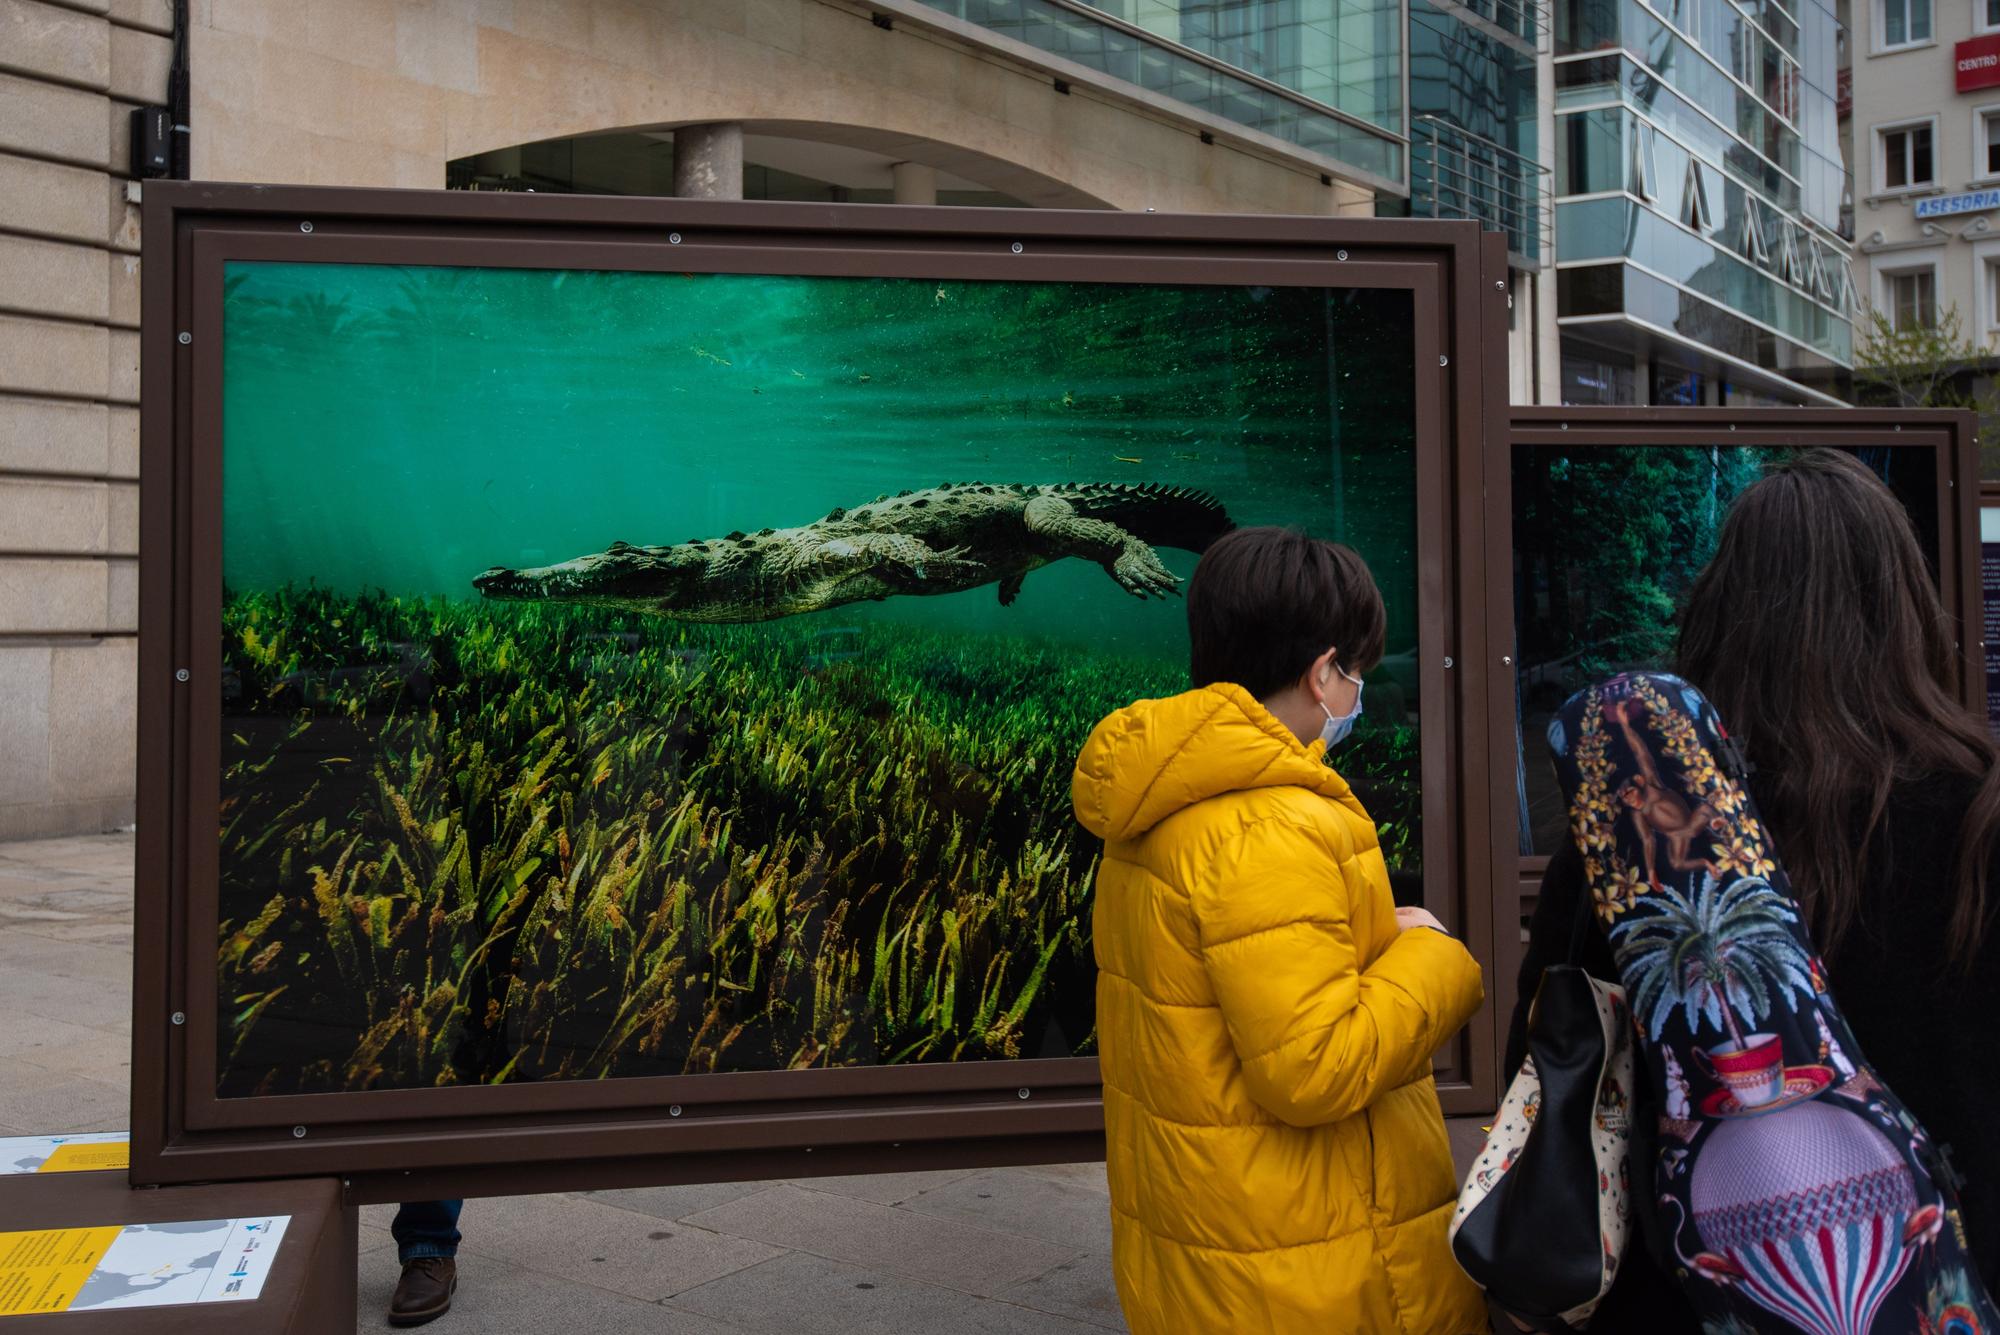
(1266, 1015)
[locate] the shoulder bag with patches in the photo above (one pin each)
(1545, 1213)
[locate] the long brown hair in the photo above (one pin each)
(1819, 635)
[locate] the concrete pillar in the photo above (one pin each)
(915, 183)
(708, 161)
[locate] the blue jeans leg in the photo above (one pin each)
(426, 1228)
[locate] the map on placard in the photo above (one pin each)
(95, 1152)
(137, 1265)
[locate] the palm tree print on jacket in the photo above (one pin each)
(1725, 957)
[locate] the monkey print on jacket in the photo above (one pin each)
(1798, 1193)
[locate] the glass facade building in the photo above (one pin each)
(1473, 143)
(1325, 75)
(1698, 214)
(1433, 103)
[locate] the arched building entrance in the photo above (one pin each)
(787, 160)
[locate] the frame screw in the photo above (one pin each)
(1443, 360)
(1499, 285)
(1021, 1093)
(1564, 425)
(298, 1133)
(1340, 254)
(305, 227)
(186, 337)
(1447, 662)
(180, 674)
(180, 1017)
(673, 238)
(1507, 660)
(674, 1111)
(1017, 247)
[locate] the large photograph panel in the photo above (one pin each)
(637, 674)
(1608, 541)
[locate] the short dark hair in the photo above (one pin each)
(1265, 602)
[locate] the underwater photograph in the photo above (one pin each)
(1607, 544)
(657, 673)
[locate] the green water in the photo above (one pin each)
(405, 428)
(469, 842)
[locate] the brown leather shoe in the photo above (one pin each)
(424, 1292)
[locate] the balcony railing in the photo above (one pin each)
(1525, 19)
(1457, 174)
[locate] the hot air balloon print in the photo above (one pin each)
(1810, 1212)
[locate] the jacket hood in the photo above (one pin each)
(1157, 757)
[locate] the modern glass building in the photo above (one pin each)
(1430, 102)
(1474, 150)
(1699, 191)
(1324, 75)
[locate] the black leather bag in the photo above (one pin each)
(1546, 1212)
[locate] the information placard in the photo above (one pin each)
(93, 1152)
(137, 1265)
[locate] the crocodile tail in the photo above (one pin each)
(1156, 514)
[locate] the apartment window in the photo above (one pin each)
(1906, 22)
(1751, 241)
(1906, 157)
(1695, 210)
(1912, 298)
(1992, 271)
(1986, 14)
(1987, 143)
(1645, 178)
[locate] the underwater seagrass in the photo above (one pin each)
(537, 842)
(947, 539)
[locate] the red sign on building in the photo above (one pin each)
(1977, 61)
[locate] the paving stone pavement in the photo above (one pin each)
(1007, 1251)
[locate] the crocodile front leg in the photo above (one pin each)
(1125, 558)
(890, 556)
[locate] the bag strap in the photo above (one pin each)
(1584, 916)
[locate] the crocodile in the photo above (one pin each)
(945, 539)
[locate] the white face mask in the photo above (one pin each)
(1337, 729)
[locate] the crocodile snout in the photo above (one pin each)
(500, 582)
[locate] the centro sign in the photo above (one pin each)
(1944, 206)
(1977, 61)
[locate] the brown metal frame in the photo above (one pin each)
(399, 1144)
(1952, 433)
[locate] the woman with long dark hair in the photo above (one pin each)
(1818, 633)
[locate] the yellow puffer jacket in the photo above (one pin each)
(1277, 1156)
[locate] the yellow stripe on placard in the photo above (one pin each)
(88, 1158)
(43, 1270)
